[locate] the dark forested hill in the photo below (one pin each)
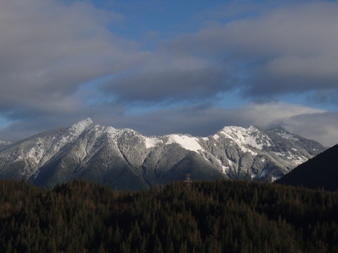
(221, 216)
(318, 172)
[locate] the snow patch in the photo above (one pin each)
(225, 169)
(79, 127)
(151, 142)
(112, 132)
(247, 137)
(274, 178)
(300, 159)
(186, 142)
(279, 154)
(297, 160)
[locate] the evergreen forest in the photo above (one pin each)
(202, 216)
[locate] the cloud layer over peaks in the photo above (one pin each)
(194, 70)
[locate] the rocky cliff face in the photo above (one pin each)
(123, 158)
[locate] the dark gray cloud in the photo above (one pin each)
(47, 55)
(165, 85)
(290, 49)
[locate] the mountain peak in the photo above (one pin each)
(80, 126)
(277, 129)
(284, 133)
(83, 123)
(240, 129)
(254, 128)
(87, 121)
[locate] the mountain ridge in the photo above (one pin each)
(123, 158)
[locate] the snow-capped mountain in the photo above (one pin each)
(123, 158)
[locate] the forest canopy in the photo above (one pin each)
(217, 216)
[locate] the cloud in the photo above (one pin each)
(202, 120)
(308, 122)
(168, 85)
(286, 50)
(319, 126)
(48, 50)
(60, 63)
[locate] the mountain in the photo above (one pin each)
(318, 172)
(123, 158)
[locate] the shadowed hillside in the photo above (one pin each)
(318, 172)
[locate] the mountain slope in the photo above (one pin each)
(123, 158)
(318, 172)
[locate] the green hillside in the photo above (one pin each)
(221, 216)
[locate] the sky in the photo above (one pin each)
(162, 67)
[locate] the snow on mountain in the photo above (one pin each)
(151, 142)
(251, 136)
(123, 158)
(79, 127)
(3, 143)
(73, 133)
(186, 142)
